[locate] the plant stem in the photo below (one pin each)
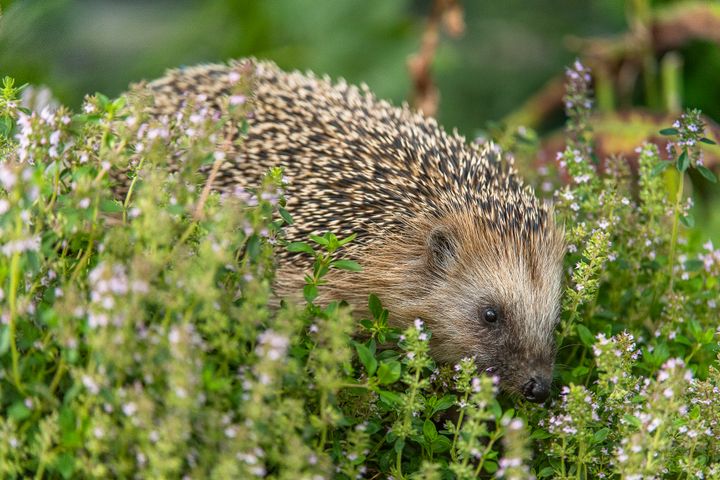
(676, 219)
(398, 464)
(408, 418)
(12, 326)
(323, 432)
(581, 454)
(695, 349)
(457, 427)
(56, 187)
(653, 447)
(355, 385)
(126, 203)
(492, 440)
(671, 73)
(58, 374)
(91, 243)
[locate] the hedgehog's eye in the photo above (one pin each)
(489, 315)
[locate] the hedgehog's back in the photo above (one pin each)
(355, 163)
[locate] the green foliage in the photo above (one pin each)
(139, 336)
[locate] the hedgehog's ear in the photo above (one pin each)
(441, 248)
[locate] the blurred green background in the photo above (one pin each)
(509, 49)
(509, 52)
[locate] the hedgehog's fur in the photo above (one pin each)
(445, 229)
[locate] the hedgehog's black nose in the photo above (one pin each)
(536, 390)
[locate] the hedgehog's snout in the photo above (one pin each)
(537, 389)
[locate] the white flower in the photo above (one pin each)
(272, 345)
(237, 99)
(174, 335)
(7, 177)
(129, 409)
(90, 384)
(21, 245)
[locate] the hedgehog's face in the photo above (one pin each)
(496, 301)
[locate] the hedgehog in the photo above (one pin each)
(446, 230)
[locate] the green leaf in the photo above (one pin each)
(429, 430)
(707, 173)
(491, 466)
(546, 472)
(707, 337)
(332, 240)
(601, 435)
(4, 340)
(110, 206)
(297, 247)
(683, 161)
(391, 399)
(285, 215)
(443, 404)
(208, 159)
(6, 125)
(659, 168)
(118, 103)
(632, 420)
(441, 444)
(18, 411)
(669, 131)
(310, 293)
(422, 441)
(366, 358)
(375, 306)
(65, 465)
(693, 265)
(495, 408)
(399, 445)
(540, 434)
(507, 416)
(319, 240)
(585, 335)
(347, 239)
(688, 220)
(708, 141)
(389, 372)
(175, 209)
(349, 265)
(103, 100)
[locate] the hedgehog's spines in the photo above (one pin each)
(340, 136)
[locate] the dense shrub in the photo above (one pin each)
(139, 337)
